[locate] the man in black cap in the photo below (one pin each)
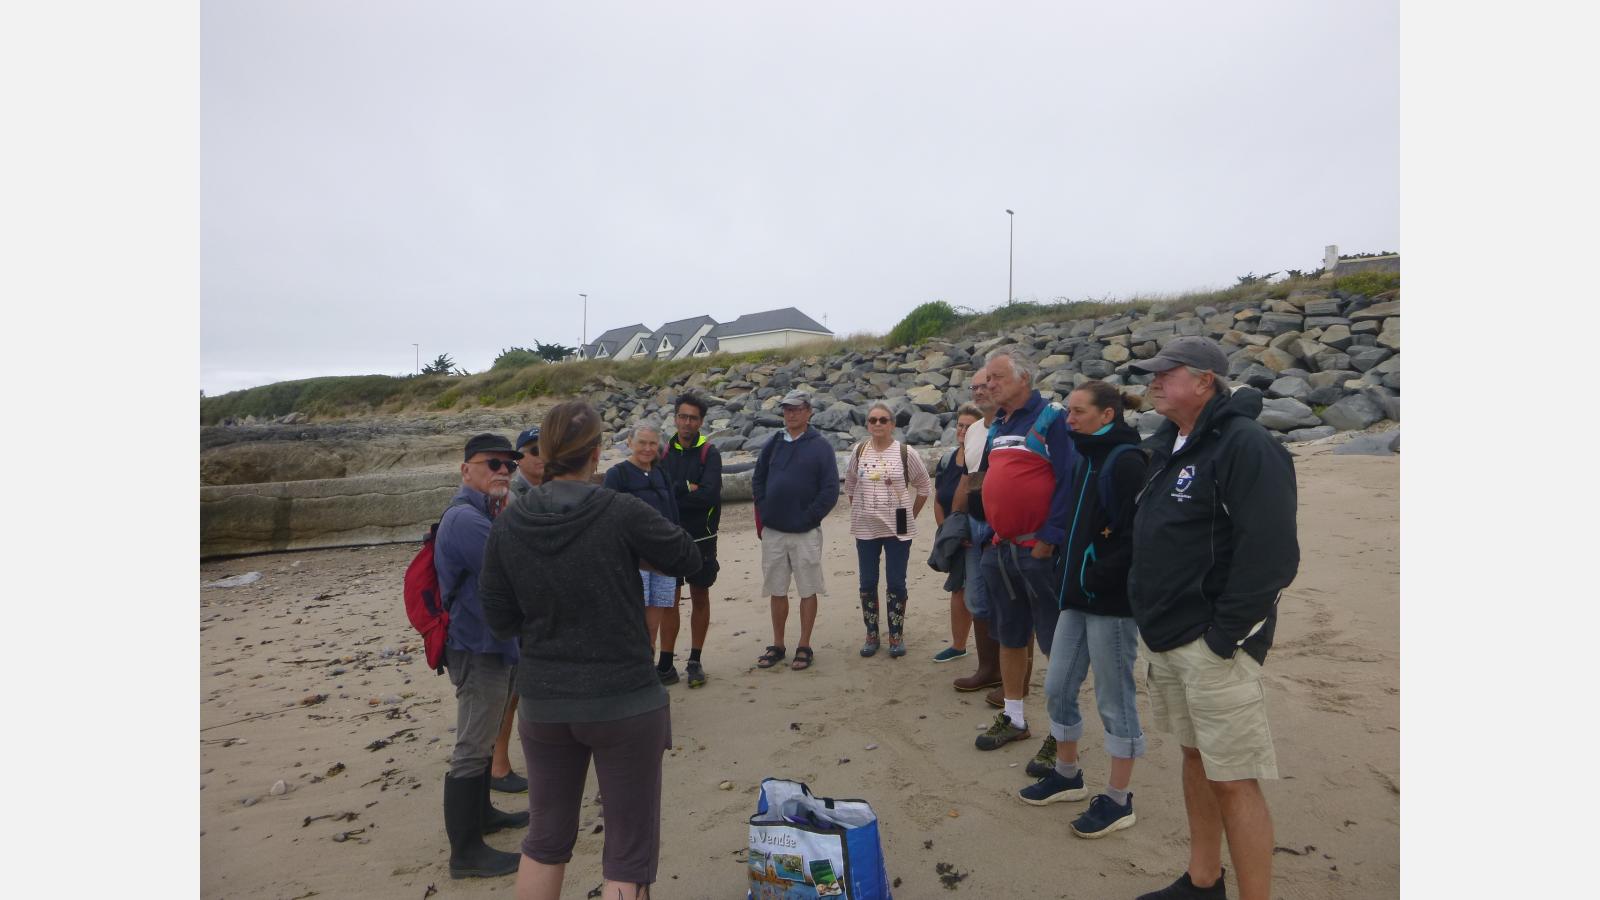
(1213, 547)
(530, 468)
(482, 668)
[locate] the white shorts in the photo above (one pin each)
(784, 555)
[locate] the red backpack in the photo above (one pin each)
(428, 611)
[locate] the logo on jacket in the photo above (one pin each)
(1185, 479)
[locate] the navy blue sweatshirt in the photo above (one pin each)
(796, 483)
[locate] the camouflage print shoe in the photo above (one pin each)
(1001, 733)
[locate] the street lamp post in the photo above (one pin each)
(418, 349)
(1011, 248)
(585, 320)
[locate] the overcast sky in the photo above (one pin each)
(454, 174)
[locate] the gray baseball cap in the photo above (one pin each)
(796, 398)
(1202, 353)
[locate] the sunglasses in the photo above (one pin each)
(878, 420)
(495, 463)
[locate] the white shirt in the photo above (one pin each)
(977, 436)
(1178, 444)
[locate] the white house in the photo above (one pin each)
(702, 336)
(786, 327)
(618, 343)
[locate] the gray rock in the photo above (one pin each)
(1364, 358)
(1322, 306)
(1286, 414)
(1325, 396)
(1371, 326)
(923, 429)
(933, 379)
(1390, 335)
(1312, 434)
(1150, 421)
(759, 438)
(1384, 444)
(1149, 331)
(1352, 413)
(1276, 323)
(1289, 386)
(1115, 354)
(1378, 311)
(1256, 375)
(1336, 336)
(838, 417)
(1054, 361)
(1188, 328)
(1096, 368)
(728, 444)
(1386, 399)
(1331, 361)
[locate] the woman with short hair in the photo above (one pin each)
(641, 476)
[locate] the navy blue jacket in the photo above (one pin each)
(651, 487)
(796, 483)
(458, 559)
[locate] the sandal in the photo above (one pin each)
(802, 659)
(771, 658)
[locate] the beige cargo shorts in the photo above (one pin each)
(798, 555)
(1218, 706)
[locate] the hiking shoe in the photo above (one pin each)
(1103, 817)
(1001, 733)
(697, 675)
(1044, 761)
(1184, 889)
(668, 676)
(948, 654)
(509, 783)
(1053, 788)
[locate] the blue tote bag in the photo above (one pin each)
(803, 846)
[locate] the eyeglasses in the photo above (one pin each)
(495, 463)
(878, 420)
(687, 417)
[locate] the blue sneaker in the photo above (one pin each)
(948, 654)
(1103, 817)
(1053, 788)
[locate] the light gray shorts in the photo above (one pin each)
(786, 555)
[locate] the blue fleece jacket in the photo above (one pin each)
(796, 483)
(458, 558)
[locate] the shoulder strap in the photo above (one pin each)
(1107, 500)
(855, 457)
(1040, 430)
(705, 450)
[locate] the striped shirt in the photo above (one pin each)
(876, 485)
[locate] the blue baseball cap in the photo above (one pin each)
(531, 436)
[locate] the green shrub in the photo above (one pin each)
(516, 358)
(929, 319)
(1367, 283)
(447, 399)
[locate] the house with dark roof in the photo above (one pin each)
(618, 343)
(786, 327)
(702, 336)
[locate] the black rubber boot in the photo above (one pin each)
(495, 820)
(869, 616)
(470, 857)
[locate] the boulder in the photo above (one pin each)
(1115, 354)
(933, 379)
(935, 362)
(1386, 399)
(1290, 386)
(1149, 331)
(1285, 341)
(1276, 360)
(1146, 350)
(1188, 328)
(1364, 358)
(1096, 368)
(927, 399)
(1275, 323)
(728, 444)
(838, 417)
(758, 438)
(1336, 336)
(1352, 413)
(1322, 306)
(1111, 328)
(1149, 422)
(1054, 361)
(1312, 434)
(1285, 414)
(1330, 361)
(1390, 335)
(1256, 375)
(1377, 311)
(923, 429)
(1383, 444)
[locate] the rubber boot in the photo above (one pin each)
(495, 820)
(470, 857)
(869, 617)
(988, 649)
(897, 623)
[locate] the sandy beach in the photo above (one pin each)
(313, 677)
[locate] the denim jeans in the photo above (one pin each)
(1110, 644)
(1022, 594)
(896, 553)
(977, 595)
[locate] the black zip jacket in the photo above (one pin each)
(699, 510)
(1214, 536)
(1099, 553)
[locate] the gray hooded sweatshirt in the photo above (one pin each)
(561, 573)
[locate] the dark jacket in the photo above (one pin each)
(796, 483)
(651, 487)
(561, 572)
(1099, 552)
(458, 560)
(699, 510)
(1214, 536)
